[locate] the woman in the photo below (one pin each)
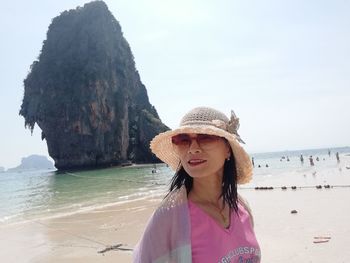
(202, 219)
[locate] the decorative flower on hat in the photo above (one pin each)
(233, 126)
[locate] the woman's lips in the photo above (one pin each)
(195, 162)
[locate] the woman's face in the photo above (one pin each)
(201, 155)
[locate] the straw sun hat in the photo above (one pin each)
(204, 120)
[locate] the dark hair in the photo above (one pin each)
(229, 182)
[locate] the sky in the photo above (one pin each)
(282, 66)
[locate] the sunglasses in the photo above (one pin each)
(183, 141)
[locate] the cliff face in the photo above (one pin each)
(86, 95)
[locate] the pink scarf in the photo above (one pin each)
(167, 235)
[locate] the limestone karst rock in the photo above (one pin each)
(85, 93)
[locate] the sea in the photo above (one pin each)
(40, 194)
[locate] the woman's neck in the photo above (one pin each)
(206, 190)
(206, 193)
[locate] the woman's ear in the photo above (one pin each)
(229, 151)
(228, 156)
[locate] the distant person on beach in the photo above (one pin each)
(311, 160)
(154, 169)
(202, 218)
(337, 156)
(329, 152)
(253, 162)
(301, 159)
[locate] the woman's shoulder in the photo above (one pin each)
(172, 207)
(173, 199)
(245, 205)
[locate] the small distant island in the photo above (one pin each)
(33, 162)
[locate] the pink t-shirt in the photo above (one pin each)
(211, 242)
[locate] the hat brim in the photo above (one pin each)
(162, 147)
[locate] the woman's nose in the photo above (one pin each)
(194, 146)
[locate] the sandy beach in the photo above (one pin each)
(283, 236)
